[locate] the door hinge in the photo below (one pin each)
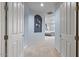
(5, 37)
(6, 7)
(77, 8)
(76, 37)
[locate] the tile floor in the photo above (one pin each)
(45, 48)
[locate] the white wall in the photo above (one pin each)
(35, 37)
(50, 21)
(30, 37)
(26, 18)
(57, 29)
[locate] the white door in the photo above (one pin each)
(63, 28)
(15, 29)
(67, 29)
(2, 29)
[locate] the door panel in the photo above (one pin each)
(15, 29)
(2, 29)
(67, 27)
(63, 28)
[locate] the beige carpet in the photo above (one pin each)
(44, 48)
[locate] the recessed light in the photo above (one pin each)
(42, 4)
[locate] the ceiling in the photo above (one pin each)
(48, 6)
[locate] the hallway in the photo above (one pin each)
(45, 49)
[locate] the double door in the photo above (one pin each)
(15, 28)
(66, 29)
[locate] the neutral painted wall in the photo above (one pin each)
(30, 37)
(50, 21)
(57, 29)
(26, 15)
(35, 37)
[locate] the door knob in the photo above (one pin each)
(23, 35)
(60, 35)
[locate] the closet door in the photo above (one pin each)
(15, 29)
(2, 29)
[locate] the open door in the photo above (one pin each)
(67, 29)
(15, 29)
(2, 29)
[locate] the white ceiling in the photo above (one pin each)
(48, 6)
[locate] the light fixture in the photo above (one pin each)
(42, 4)
(50, 13)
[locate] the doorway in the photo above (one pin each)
(20, 19)
(39, 43)
(65, 18)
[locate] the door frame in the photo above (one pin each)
(6, 36)
(76, 37)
